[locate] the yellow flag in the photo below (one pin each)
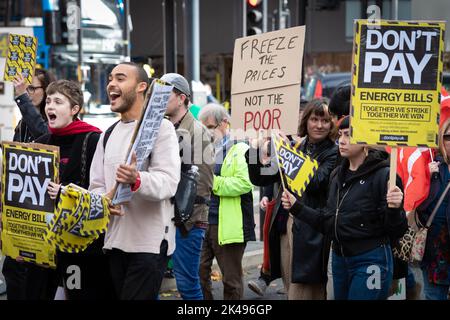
(297, 168)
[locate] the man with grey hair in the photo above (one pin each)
(195, 149)
(231, 222)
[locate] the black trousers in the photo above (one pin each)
(138, 276)
(15, 274)
(27, 281)
(86, 276)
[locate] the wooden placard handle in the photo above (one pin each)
(393, 169)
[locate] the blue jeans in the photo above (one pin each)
(186, 263)
(367, 276)
(433, 291)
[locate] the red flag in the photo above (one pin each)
(445, 106)
(412, 167)
(319, 89)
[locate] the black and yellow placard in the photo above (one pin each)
(21, 57)
(296, 167)
(80, 218)
(396, 82)
(26, 205)
(4, 39)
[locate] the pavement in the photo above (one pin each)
(253, 257)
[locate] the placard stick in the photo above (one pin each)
(393, 169)
(431, 154)
(279, 168)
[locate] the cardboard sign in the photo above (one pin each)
(296, 167)
(266, 80)
(21, 57)
(26, 205)
(146, 136)
(397, 78)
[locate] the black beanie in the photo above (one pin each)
(340, 101)
(344, 123)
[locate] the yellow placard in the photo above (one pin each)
(79, 219)
(297, 168)
(26, 205)
(21, 57)
(396, 83)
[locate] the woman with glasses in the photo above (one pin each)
(31, 101)
(436, 261)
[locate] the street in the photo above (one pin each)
(274, 290)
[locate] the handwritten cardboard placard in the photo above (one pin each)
(266, 80)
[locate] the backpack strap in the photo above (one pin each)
(108, 133)
(84, 158)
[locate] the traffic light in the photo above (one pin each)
(56, 21)
(255, 17)
(52, 21)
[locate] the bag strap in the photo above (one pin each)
(84, 158)
(436, 208)
(108, 133)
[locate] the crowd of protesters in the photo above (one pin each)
(348, 211)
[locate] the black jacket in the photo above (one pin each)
(310, 248)
(70, 147)
(356, 215)
(32, 125)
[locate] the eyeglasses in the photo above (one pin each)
(32, 89)
(211, 127)
(446, 137)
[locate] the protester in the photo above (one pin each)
(340, 108)
(340, 102)
(31, 102)
(231, 222)
(361, 216)
(77, 141)
(267, 203)
(141, 234)
(436, 261)
(304, 251)
(196, 148)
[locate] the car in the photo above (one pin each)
(324, 85)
